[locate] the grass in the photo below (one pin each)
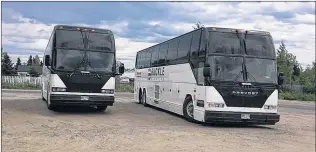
(21, 86)
(297, 96)
(119, 88)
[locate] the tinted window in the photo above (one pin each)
(227, 43)
(69, 59)
(100, 41)
(154, 57)
(259, 45)
(162, 54)
(184, 47)
(172, 51)
(100, 61)
(137, 61)
(142, 60)
(69, 39)
(148, 57)
(195, 43)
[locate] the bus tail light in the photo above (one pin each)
(216, 105)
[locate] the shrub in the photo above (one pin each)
(297, 96)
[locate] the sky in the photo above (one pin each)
(26, 26)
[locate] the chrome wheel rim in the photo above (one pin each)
(190, 109)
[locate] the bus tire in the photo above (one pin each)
(139, 96)
(188, 109)
(43, 96)
(144, 98)
(101, 108)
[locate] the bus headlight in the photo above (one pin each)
(107, 91)
(270, 107)
(216, 105)
(57, 89)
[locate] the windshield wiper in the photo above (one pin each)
(245, 42)
(82, 61)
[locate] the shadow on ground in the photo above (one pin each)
(216, 125)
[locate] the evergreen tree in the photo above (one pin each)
(36, 60)
(18, 62)
(6, 65)
(30, 61)
(287, 63)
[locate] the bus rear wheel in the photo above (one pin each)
(188, 109)
(144, 99)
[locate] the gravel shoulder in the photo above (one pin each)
(27, 125)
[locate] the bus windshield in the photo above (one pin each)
(226, 68)
(261, 70)
(259, 45)
(224, 42)
(74, 39)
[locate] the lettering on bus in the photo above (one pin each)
(156, 71)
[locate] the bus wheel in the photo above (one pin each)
(43, 96)
(188, 109)
(51, 106)
(101, 108)
(144, 99)
(139, 96)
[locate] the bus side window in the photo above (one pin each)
(183, 49)
(195, 45)
(162, 54)
(148, 57)
(154, 57)
(172, 51)
(137, 61)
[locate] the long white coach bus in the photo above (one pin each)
(212, 75)
(80, 67)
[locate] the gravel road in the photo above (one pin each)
(27, 125)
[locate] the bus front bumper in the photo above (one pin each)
(241, 117)
(78, 100)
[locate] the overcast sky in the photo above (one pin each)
(26, 26)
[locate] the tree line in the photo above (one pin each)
(9, 68)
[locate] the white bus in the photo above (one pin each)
(80, 68)
(212, 75)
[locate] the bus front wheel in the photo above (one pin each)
(188, 109)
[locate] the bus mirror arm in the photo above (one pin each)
(280, 78)
(47, 60)
(207, 72)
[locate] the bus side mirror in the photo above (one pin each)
(207, 72)
(47, 60)
(121, 69)
(280, 78)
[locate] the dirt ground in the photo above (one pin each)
(27, 125)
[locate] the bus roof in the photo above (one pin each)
(222, 29)
(69, 27)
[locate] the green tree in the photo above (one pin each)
(287, 63)
(18, 62)
(30, 61)
(36, 60)
(197, 25)
(6, 65)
